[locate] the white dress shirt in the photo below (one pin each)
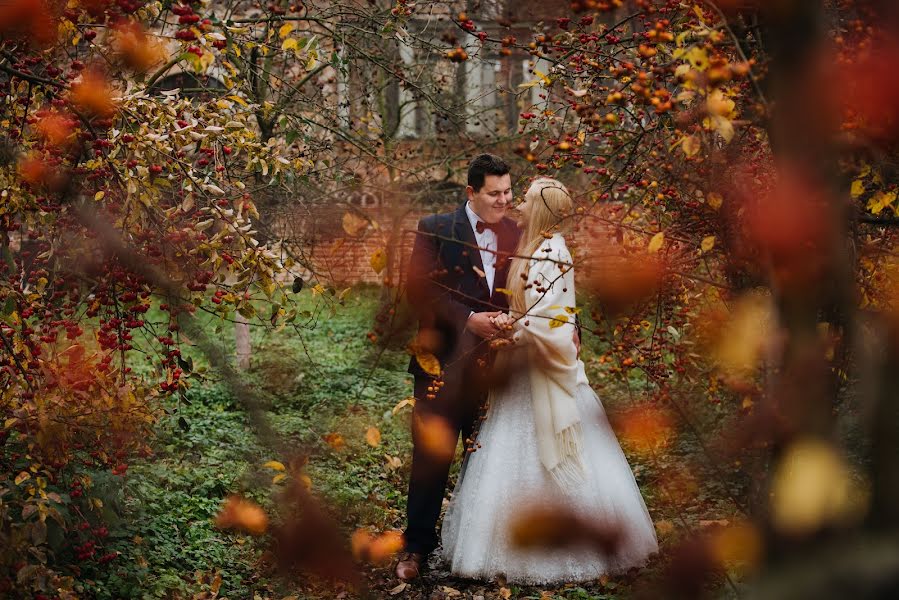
(487, 243)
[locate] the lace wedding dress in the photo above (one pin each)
(506, 475)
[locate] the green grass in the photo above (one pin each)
(329, 379)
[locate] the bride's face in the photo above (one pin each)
(524, 208)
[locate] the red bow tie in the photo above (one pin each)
(481, 226)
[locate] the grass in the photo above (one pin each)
(327, 382)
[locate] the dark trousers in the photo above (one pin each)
(458, 402)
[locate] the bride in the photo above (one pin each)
(546, 437)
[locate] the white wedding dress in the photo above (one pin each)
(505, 476)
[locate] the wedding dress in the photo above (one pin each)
(505, 476)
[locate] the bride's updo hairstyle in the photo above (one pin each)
(548, 209)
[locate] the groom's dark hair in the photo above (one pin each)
(483, 165)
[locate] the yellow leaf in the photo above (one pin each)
(23, 476)
(880, 201)
(714, 200)
(708, 243)
(378, 260)
(429, 363)
(858, 188)
(353, 224)
(274, 465)
(290, 44)
(410, 401)
(373, 437)
(814, 487)
(698, 57)
(99, 195)
(558, 320)
(720, 125)
(285, 30)
(655, 244)
(691, 145)
(505, 291)
(279, 477)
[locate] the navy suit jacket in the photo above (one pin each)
(446, 282)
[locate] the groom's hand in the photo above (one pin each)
(481, 324)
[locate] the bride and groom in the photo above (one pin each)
(487, 290)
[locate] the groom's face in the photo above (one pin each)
(493, 199)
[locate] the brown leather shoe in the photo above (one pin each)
(409, 566)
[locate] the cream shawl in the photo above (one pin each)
(554, 368)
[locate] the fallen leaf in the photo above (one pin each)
(274, 465)
(410, 401)
(397, 589)
(708, 243)
(655, 244)
(373, 437)
(335, 440)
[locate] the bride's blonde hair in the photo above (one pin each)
(550, 209)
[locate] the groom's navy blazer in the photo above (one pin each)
(446, 281)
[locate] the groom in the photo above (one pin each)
(456, 279)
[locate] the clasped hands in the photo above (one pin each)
(496, 326)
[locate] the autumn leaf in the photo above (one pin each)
(410, 401)
(691, 145)
(644, 428)
(558, 320)
(353, 224)
(739, 544)
(813, 487)
(708, 243)
(285, 30)
(93, 95)
(436, 436)
(378, 260)
(243, 515)
(655, 244)
(274, 465)
(429, 363)
(378, 549)
(858, 188)
(373, 437)
(335, 440)
(714, 200)
(663, 527)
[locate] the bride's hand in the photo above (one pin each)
(503, 322)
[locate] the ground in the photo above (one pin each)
(325, 387)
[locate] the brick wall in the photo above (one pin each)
(342, 260)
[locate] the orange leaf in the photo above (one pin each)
(243, 515)
(436, 436)
(335, 440)
(373, 437)
(93, 95)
